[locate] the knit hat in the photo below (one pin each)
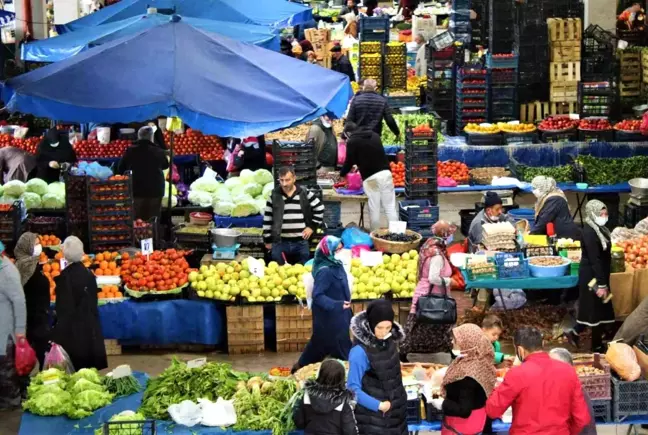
(379, 311)
(492, 199)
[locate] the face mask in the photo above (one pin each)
(536, 193)
(154, 128)
(54, 145)
(449, 239)
(601, 221)
(456, 352)
(326, 124)
(37, 250)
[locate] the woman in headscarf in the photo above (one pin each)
(434, 271)
(469, 381)
(77, 326)
(52, 152)
(595, 265)
(36, 286)
(331, 307)
(13, 319)
(552, 206)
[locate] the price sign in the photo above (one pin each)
(122, 371)
(147, 246)
(255, 267)
(195, 363)
(370, 259)
(64, 263)
(210, 173)
(397, 227)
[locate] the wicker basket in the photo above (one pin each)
(394, 247)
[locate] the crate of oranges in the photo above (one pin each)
(110, 294)
(105, 264)
(50, 241)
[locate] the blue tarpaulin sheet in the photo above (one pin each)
(525, 283)
(213, 83)
(163, 322)
(72, 43)
(274, 13)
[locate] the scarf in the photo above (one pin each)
(325, 254)
(592, 211)
(26, 263)
(547, 188)
(432, 247)
(477, 359)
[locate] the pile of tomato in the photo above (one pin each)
(160, 271)
(455, 170)
(398, 173)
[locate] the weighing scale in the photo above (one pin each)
(227, 253)
(506, 196)
(637, 207)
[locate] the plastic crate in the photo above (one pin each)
(144, 427)
(511, 266)
(255, 221)
(484, 139)
(403, 101)
(419, 189)
(513, 138)
(566, 136)
(482, 274)
(597, 387)
(602, 410)
(625, 136)
(332, 213)
(413, 411)
(503, 92)
(595, 135)
(629, 398)
(498, 62)
(418, 212)
(46, 225)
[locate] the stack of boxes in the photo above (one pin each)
(396, 66)
(503, 70)
(565, 36)
(460, 20)
(597, 95)
(321, 41)
(472, 97)
(534, 52)
(630, 77)
(441, 81)
(371, 62)
(503, 35)
(421, 153)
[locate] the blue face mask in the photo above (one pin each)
(449, 239)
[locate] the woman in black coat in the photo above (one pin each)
(37, 296)
(595, 264)
(77, 326)
(552, 207)
(52, 152)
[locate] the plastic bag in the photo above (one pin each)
(186, 413)
(355, 236)
(341, 152)
(219, 414)
(58, 358)
(623, 360)
(354, 181)
(25, 359)
(509, 299)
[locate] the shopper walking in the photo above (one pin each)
(368, 110)
(421, 55)
(546, 395)
(331, 307)
(52, 152)
(469, 381)
(595, 265)
(365, 150)
(434, 273)
(375, 371)
(13, 321)
(326, 144)
(291, 216)
(37, 295)
(552, 207)
(341, 63)
(147, 162)
(77, 327)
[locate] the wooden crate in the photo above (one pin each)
(566, 51)
(112, 347)
(539, 110)
(245, 329)
(563, 92)
(631, 89)
(317, 35)
(565, 29)
(294, 327)
(564, 72)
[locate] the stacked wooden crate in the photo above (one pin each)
(630, 77)
(245, 329)
(321, 41)
(565, 36)
(294, 327)
(644, 68)
(539, 110)
(112, 347)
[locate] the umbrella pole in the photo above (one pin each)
(170, 214)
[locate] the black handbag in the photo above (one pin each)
(436, 310)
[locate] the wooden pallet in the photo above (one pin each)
(629, 56)
(644, 76)
(318, 35)
(632, 89)
(245, 330)
(563, 92)
(112, 347)
(539, 110)
(294, 327)
(565, 51)
(564, 72)
(565, 29)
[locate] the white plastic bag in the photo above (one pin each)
(309, 283)
(186, 413)
(219, 414)
(103, 135)
(513, 299)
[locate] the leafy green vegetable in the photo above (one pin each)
(86, 402)
(561, 174)
(123, 386)
(266, 408)
(91, 375)
(37, 186)
(35, 389)
(48, 403)
(31, 200)
(83, 385)
(14, 188)
(125, 429)
(48, 375)
(613, 171)
(388, 137)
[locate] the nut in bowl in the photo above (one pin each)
(548, 266)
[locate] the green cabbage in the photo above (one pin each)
(86, 402)
(261, 203)
(242, 197)
(267, 190)
(83, 385)
(223, 208)
(91, 375)
(231, 183)
(246, 176)
(222, 195)
(263, 176)
(52, 200)
(31, 200)
(48, 403)
(15, 188)
(253, 189)
(204, 184)
(57, 188)
(38, 186)
(165, 201)
(202, 199)
(245, 208)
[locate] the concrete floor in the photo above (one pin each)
(155, 362)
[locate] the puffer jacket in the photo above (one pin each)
(368, 109)
(325, 411)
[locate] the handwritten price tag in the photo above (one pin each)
(147, 246)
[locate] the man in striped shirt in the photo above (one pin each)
(291, 216)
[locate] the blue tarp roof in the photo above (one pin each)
(69, 44)
(274, 13)
(215, 84)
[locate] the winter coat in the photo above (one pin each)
(330, 290)
(16, 164)
(46, 153)
(343, 66)
(37, 298)
(147, 162)
(13, 312)
(365, 150)
(326, 145)
(77, 328)
(556, 210)
(368, 109)
(375, 376)
(325, 411)
(546, 396)
(635, 325)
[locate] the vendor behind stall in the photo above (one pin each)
(53, 150)
(552, 207)
(326, 145)
(492, 213)
(16, 164)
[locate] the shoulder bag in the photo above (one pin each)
(436, 310)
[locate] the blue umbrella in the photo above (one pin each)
(72, 43)
(215, 84)
(275, 13)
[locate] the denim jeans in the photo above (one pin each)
(295, 251)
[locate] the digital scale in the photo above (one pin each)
(506, 197)
(227, 253)
(637, 207)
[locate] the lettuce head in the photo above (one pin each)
(253, 189)
(31, 200)
(48, 403)
(263, 176)
(52, 200)
(15, 188)
(223, 208)
(56, 188)
(245, 208)
(246, 176)
(38, 186)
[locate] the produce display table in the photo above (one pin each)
(177, 321)
(525, 284)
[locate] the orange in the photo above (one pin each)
(58, 255)
(55, 274)
(99, 272)
(125, 256)
(119, 294)
(112, 265)
(56, 266)
(47, 268)
(114, 255)
(106, 255)
(99, 257)
(103, 265)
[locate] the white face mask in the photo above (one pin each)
(456, 352)
(37, 250)
(154, 128)
(326, 124)
(54, 145)
(536, 193)
(601, 220)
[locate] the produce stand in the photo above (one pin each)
(523, 283)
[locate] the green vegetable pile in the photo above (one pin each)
(562, 174)
(52, 392)
(123, 386)
(264, 405)
(178, 383)
(613, 171)
(388, 137)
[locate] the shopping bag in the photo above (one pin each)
(354, 181)
(58, 358)
(217, 414)
(341, 152)
(25, 358)
(355, 236)
(186, 413)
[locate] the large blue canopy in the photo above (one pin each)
(69, 44)
(215, 84)
(274, 13)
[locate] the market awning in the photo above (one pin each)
(72, 43)
(274, 13)
(215, 84)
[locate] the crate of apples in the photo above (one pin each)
(457, 171)
(558, 123)
(629, 125)
(594, 124)
(398, 173)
